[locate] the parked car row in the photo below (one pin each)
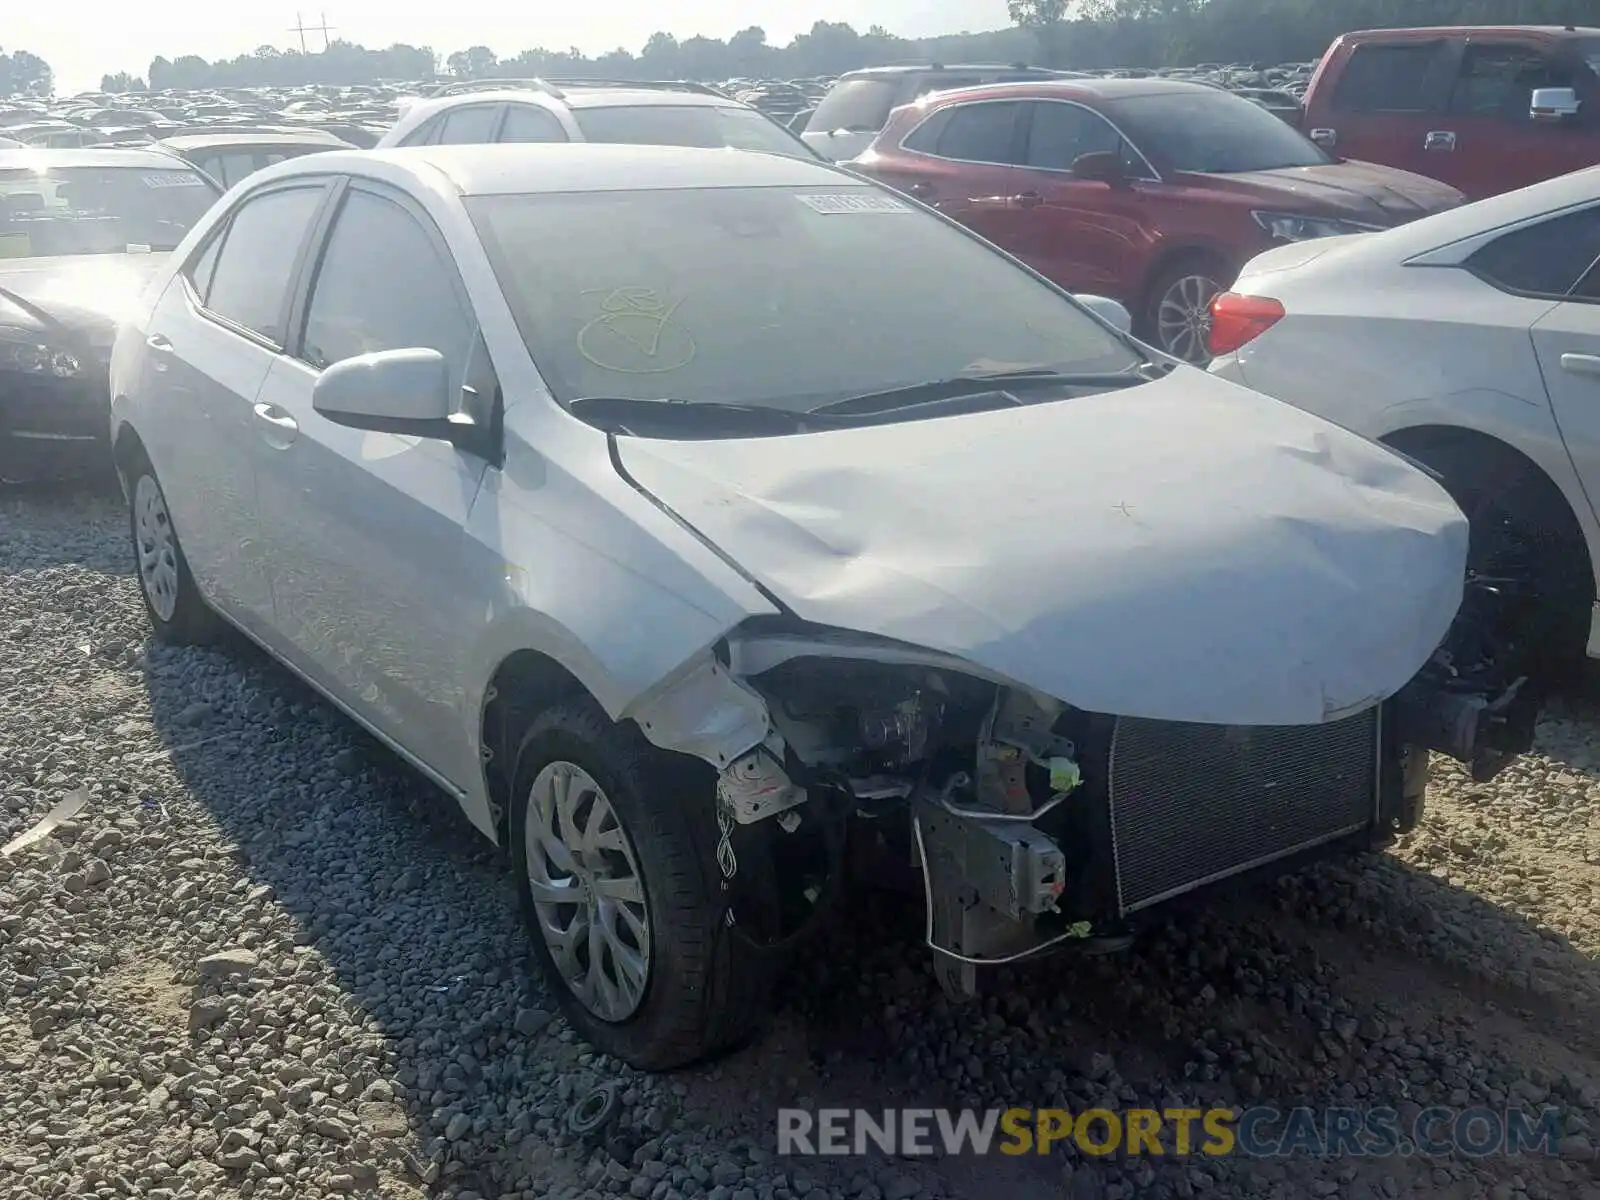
(681, 510)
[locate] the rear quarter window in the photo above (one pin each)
(1546, 259)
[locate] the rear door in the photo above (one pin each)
(212, 339)
(964, 161)
(1567, 337)
(1487, 144)
(1388, 97)
(1086, 235)
(373, 578)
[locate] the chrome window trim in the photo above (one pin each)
(1151, 175)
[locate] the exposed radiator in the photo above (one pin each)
(1191, 804)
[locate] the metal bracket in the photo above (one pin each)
(755, 786)
(986, 882)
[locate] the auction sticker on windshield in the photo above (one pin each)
(168, 179)
(832, 204)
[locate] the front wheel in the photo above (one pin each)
(614, 848)
(1177, 310)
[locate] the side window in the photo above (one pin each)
(1498, 80)
(234, 167)
(1391, 77)
(1547, 259)
(1059, 133)
(250, 283)
(529, 123)
(383, 285)
(925, 137)
(422, 135)
(470, 126)
(200, 270)
(984, 132)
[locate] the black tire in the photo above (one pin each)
(188, 620)
(1521, 528)
(1185, 266)
(705, 990)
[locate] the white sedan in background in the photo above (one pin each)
(1470, 341)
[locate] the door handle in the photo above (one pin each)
(1581, 364)
(921, 189)
(1325, 137)
(284, 428)
(1439, 139)
(1029, 200)
(158, 341)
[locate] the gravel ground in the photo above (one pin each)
(264, 960)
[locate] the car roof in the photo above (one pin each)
(34, 157)
(1460, 31)
(1099, 89)
(299, 137)
(575, 96)
(629, 97)
(531, 168)
(894, 69)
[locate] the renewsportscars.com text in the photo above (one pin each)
(1260, 1132)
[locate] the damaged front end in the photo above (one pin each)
(1034, 824)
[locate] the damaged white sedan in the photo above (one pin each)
(684, 512)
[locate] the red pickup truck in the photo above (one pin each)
(1483, 108)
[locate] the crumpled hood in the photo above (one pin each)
(1183, 551)
(1359, 191)
(84, 295)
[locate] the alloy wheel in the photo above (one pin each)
(157, 547)
(587, 891)
(1183, 318)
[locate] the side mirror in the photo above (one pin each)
(1108, 310)
(1101, 166)
(1553, 104)
(405, 392)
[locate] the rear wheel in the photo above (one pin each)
(1530, 590)
(614, 847)
(178, 613)
(1177, 308)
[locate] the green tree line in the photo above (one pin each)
(1062, 33)
(23, 72)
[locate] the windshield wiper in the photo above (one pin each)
(999, 383)
(616, 410)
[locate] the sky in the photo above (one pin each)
(85, 40)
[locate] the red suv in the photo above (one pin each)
(1151, 191)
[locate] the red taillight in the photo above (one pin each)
(1237, 320)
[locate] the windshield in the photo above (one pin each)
(688, 125)
(1211, 132)
(97, 210)
(779, 297)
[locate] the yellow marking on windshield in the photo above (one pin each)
(635, 321)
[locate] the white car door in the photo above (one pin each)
(1564, 253)
(375, 583)
(211, 341)
(1568, 341)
